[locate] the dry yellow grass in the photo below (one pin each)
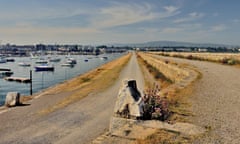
(150, 76)
(91, 82)
(178, 92)
(225, 58)
(166, 137)
(178, 98)
(170, 70)
(180, 75)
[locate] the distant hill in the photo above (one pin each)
(173, 44)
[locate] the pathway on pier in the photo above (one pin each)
(80, 122)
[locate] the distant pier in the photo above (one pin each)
(18, 79)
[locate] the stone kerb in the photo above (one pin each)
(12, 99)
(128, 107)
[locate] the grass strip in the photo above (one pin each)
(156, 76)
(94, 81)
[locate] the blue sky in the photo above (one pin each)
(119, 21)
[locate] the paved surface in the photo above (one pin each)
(216, 101)
(80, 122)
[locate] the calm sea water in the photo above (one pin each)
(43, 80)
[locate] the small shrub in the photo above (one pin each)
(190, 57)
(231, 62)
(165, 54)
(155, 107)
(85, 79)
(224, 61)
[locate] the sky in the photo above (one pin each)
(119, 21)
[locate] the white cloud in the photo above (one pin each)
(236, 20)
(170, 9)
(126, 14)
(149, 30)
(191, 17)
(172, 30)
(31, 35)
(191, 26)
(45, 30)
(215, 14)
(218, 28)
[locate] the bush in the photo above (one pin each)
(231, 62)
(190, 57)
(155, 107)
(85, 79)
(224, 61)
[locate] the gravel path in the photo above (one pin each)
(80, 122)
(216, 101)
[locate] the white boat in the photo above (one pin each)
(104, 58)
(67, 65)
(55, 59)
(24, 64)
(3, 60)
(41, 61)
(71, 60)
(33, 56)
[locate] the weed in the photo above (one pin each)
(155, 107)
(85, 79)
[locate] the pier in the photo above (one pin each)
(18, 79)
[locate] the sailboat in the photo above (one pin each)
(54, 57)
(33, 56)
(24, 64)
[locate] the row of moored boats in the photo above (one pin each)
(43, 64)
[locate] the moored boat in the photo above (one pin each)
(41, 61)
(67, 65)
(10, 60)
(72, 61)
(5, 72)
(54, 59)
(104, 58)
(44, 67)
(33, 56)
(24, 64)
(2, 60)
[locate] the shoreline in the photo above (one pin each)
(76, 111)
(54, 89)
(43, 80)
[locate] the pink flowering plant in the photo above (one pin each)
(156, 107)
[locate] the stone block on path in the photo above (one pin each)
(12, 99)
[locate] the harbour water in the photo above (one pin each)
(43, 80)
